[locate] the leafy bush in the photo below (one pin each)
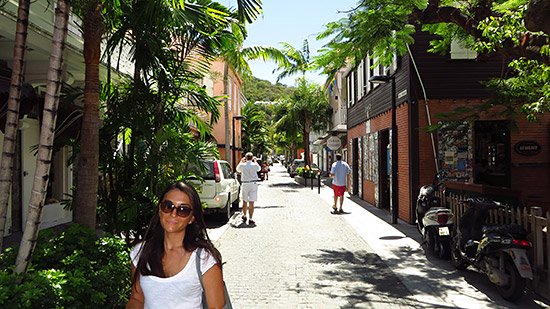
(72, 269)
(306, 172)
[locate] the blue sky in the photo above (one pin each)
(292, 22)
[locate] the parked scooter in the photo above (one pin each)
(499, 251)
(434, 221)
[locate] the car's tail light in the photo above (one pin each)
(521, 243)
(217, 172)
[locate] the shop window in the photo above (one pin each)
(492, 153)
(370, 146)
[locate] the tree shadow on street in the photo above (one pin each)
(285, 185)
(440, 271)
(367, 278)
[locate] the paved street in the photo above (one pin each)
(299, 255)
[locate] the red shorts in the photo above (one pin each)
(339, 190)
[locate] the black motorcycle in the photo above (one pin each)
(434, 221)
(499, 251)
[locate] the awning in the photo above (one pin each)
(340, 128)
(322, 139)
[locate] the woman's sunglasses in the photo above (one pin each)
(183, 210)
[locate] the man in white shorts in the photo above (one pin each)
(249, 168)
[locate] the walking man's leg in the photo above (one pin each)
(244, 210)
(251, 212)
(253, 196)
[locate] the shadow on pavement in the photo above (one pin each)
(285, 185)
(368, 278)
(441, 274)
(242, 225)
(213, 221)
(442, 269)
(269, 206)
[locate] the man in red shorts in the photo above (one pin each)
(339, 174)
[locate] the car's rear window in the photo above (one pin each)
(207, 173)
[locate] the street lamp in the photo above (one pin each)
(234, 161)
(382, 79)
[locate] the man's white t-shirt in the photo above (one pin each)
(182, 290)
(249, 171)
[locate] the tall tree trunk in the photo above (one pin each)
(226, 86)
(43, 161)
(305, 133)
(88, 159)
(12, 117)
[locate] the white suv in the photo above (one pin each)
(220, 189)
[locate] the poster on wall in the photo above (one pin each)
(455, 150)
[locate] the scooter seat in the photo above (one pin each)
(512, 229)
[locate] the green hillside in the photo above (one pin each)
(262, 90)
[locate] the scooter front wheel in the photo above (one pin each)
(515, 286)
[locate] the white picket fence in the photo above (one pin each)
(533, 221)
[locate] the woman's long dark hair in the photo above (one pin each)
(152, 250)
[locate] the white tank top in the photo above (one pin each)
(182, 290)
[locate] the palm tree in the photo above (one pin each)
(236, 56)
(85, 202)
(255, 135)
(306, 111)
(94, 28)
(171, 51)
(297, 61)
(287, 127)
(47, 130)
(12, 117)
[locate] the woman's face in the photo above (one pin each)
(177, 203)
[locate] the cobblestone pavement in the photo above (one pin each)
(299, 255)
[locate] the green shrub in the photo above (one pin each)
(72, 269)
(306, 172)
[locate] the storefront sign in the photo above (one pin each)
(527, 148)
(334, 143)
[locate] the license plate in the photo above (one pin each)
(444, 231)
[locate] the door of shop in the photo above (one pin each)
(492, 153)
(355, 166)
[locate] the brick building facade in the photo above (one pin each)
(506, 159)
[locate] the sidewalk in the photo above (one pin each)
(433, 282)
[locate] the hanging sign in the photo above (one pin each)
(527, 148)
(334, 143)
